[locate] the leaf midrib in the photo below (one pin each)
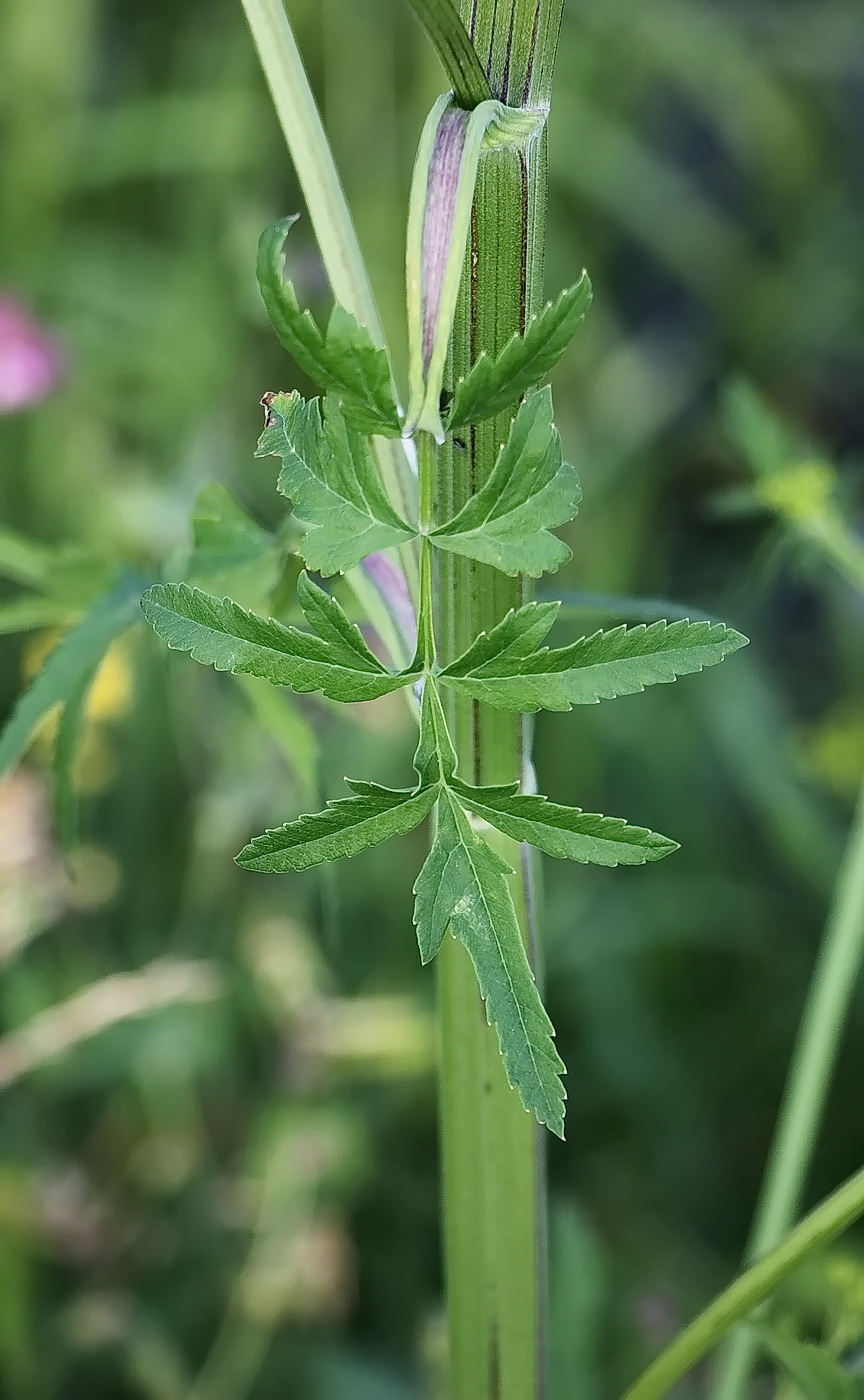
(459, 812)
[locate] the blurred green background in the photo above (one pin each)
(217, 1135)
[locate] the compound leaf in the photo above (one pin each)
(600, 667)
(463, 886)
(219, 633)
(493, 384)
(344, 358)
(77, 654)
(344, 828)
(329, 473)
(567, 832)
(530, 490)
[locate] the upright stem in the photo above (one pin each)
(828, 1001)
(310, 151)
(492, 1163)
(316, 170)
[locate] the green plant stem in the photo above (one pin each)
(328, 208)
(829, 532)
(821, 1226)
(813, 1059)
(310, 151)
(828, 1000)
(492, 1160)
(440, 19)
(427, 458)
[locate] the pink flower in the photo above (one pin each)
(30, 360)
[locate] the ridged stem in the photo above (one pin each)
(492, 1151)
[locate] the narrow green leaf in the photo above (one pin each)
(221, 634)
(518, 634)
(23, 561)
(74, 657)
(493, 384)
(73, 576)
(463, 885)
(329, 473)
(768, 445)
(344, 358)
(815, 1374)
(435, 757)
(27, 614)
(529, 491)
(65, 749)
(344, 828)
(619, 662)
(567, 832)
(626, 609)
(79, 576)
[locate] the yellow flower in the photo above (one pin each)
(800, 493)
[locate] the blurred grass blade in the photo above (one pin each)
(288, 727)
(578, 1299)
(29, 614)
(65, 748)
(825, 1223)
(576, 605)
(53, 1033)
(816, 1374)
(22, 561)
(74, 657)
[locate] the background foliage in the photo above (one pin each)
(217, 1144)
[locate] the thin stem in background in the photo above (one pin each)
(822, 1225)
(828, 1001)
(310, 151)
(328, 208)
